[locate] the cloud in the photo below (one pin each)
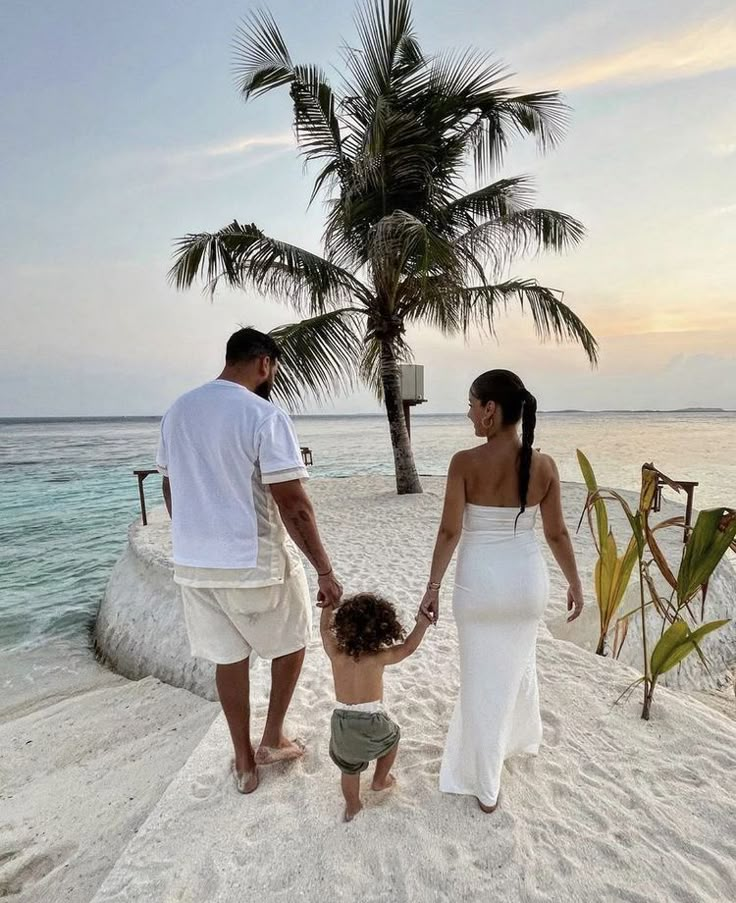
(725, 149)
(727, 210)
(204, 163)
(708, 47)
(244, 145)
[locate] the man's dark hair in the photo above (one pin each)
(364, 624)
(248, 344)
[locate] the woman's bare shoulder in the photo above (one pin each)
(463, 458)
(545, 463)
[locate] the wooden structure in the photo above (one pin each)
(142, 474)
(412, 389)
(688, 487)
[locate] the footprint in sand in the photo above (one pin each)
(21, 869)
(206, 785)
(552, 728)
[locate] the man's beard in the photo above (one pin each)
(264, 389)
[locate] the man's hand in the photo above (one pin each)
(330, 591)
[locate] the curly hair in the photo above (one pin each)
(364, 624)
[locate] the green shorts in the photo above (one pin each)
(358, 738)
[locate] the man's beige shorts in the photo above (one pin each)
(226, 625)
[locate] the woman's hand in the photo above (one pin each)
(430, 605)
(574, 601)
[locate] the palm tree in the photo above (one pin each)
(404, 243)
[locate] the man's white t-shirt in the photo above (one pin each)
(221, 445)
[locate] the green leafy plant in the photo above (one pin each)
(682, 628)
(612, 571)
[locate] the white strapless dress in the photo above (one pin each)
(501, 591)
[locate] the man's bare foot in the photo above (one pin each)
(350, 813)
(489, 809)
(286, 751)
(386, 784)
(245, 781)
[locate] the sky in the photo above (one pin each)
(122, 130)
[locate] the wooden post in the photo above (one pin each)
(407, 416)
(141, 478)
(142, 474)
(689, 509)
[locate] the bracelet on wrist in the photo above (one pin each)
(432, 585)
(326, 573)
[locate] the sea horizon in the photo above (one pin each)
(380, 415)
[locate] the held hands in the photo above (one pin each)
(574, 602)
(329, 592)
(430, 605)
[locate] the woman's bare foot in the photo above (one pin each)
(386, 784)
(351, 812)
(488, 809)
(286, 751)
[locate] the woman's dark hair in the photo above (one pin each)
(248, 344)
(364, 624)
(517, 404)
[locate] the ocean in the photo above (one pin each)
(67, 491)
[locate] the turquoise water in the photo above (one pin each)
(67, 492)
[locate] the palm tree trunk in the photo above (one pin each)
(407, 478)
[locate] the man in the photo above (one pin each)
(232, 484)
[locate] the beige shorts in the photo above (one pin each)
(226, 625)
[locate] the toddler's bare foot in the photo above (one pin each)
(488, 809)
(386, 784)
(284, 752)
(351, 812)
(245, 781)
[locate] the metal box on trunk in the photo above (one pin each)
(412, 382)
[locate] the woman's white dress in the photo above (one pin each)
(501, 591)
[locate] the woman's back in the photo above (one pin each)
(491, 475)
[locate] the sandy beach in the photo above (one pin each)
(124, 794)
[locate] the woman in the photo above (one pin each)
(501, 584)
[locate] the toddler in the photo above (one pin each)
(361, 638)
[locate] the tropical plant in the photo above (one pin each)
(681, 626)
(612, 571)
(404, 242)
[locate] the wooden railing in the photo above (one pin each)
(142, 474)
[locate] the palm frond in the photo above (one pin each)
(320, 356)
(262, 61)
(315, 120)
(244, 255)
(495, 202)
(552, 318)
(388, 47)
(542, 114)
(519, 233)
(211, 256)
(461, 82)
(432, 301)
(400, 243)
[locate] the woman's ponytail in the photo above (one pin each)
(528, 423)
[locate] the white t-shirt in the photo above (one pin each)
(220, 446)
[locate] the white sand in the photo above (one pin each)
(612, 809)
(84, 757)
